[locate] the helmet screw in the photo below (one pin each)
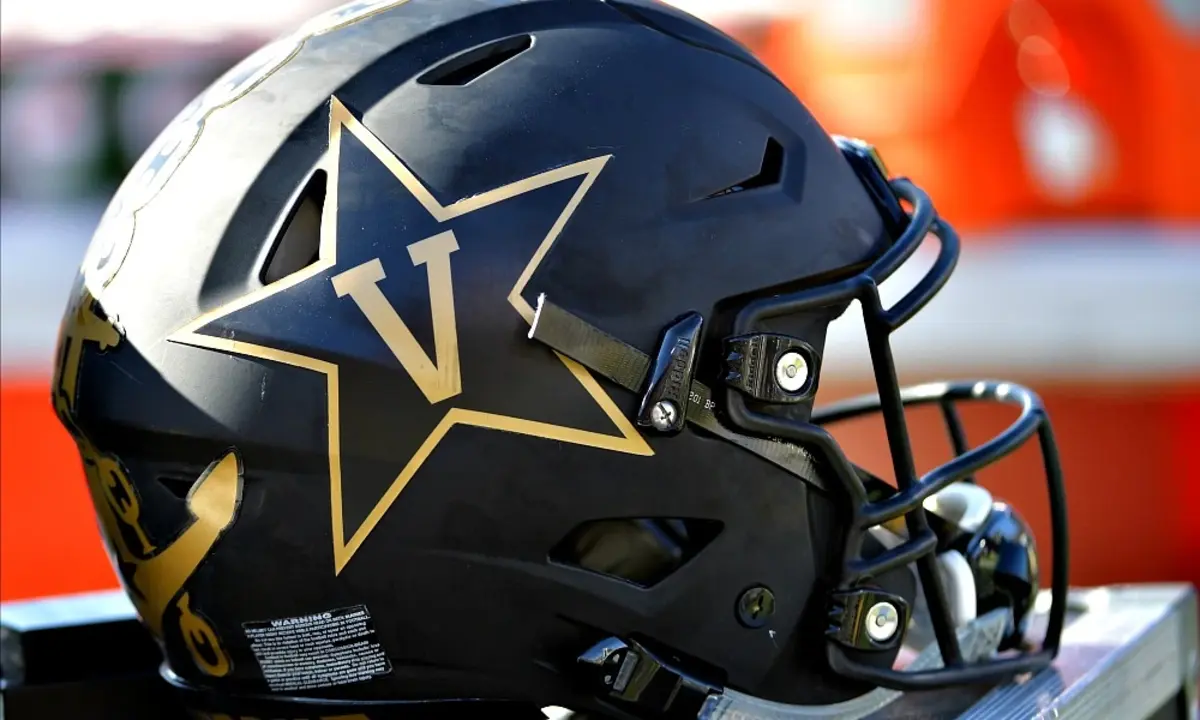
(882, 622)
(755, 607)
(791, 371)
(663, 415)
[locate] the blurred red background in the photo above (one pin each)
(1058, 136)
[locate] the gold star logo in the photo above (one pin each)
(350, 292)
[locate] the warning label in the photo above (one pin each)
(315, 651)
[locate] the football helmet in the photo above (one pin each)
(460, 355)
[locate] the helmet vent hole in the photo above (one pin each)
(469, 66)
(642, 551)
(300, 237)
(770, 174)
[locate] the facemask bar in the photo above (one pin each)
(907, 502)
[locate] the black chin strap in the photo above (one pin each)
(632, 369)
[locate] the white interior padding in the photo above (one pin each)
(964, 504)
(959, 583)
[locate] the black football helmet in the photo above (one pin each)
(458, 356)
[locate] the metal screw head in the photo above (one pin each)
(882, 621)
(755, 607)
(791, 371)
(663, 415)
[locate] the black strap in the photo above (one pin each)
(628, 367)
(590, 346)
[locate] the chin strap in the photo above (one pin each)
(670, 395)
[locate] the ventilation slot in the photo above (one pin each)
(770, 174)
(642, 551)
(300, 239)
(463, 69)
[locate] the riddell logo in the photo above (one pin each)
(681, 358)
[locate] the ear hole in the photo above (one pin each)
(473, 64)
(300, 238)
(770, 173)
(642, 551)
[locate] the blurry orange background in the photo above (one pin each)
(1058, 136)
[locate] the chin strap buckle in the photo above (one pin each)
(668, 391)
(629, 673)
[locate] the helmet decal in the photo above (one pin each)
(153, 573)
(352, 291)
